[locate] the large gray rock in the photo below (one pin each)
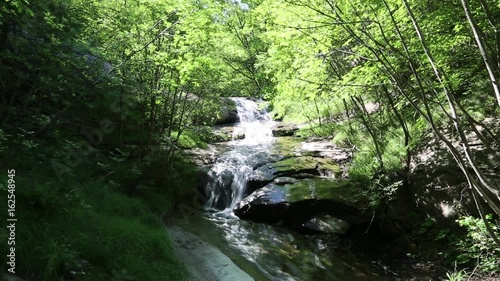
(284, 129)
(228, 112)
(325, 149)
(293, 204)
(220, 185)
(202, 156)
(327, 224)
(295, 167)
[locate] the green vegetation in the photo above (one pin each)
(99, 99)
(457, 275)
(478, 246)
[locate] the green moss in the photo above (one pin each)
(305, 163)
(286, 146)
(344, 191)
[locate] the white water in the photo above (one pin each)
(235, 165)
(277, 255)
(254, 122)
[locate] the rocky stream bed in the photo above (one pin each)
(282, 207)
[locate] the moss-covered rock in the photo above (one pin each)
(327, 224)
(228, 112)
(305, 164)
(295, 203)
(287, 146)
(284, 129)
(294, 167)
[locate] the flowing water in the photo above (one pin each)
(228, 175)
(265, 252)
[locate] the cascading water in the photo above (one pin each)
(269, 253)
(255, 123)
(229, 174)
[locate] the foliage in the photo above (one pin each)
(478, 247)
(118, 88)
(460, 275)
(88, 227)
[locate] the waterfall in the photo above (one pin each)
(229, 175)
(254, 122)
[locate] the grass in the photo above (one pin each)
(80, 228)
(460, 275)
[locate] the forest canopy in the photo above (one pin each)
(110, 93)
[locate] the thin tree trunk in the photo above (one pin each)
(482, 48)
(493, 24)
(358, 102)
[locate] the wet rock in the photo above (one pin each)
(227, 133)
(260, 159)
(259, 178)
(294, 167)
(203, 261)
(325, 149)
(304, 164)
(262, 208)
(296, 203)
(218, 188)
(327, 224)
(285, 180)
(284, 129)
(228, 113)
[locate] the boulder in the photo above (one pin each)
(293, 204)
(228, 113)
(294, 167)
(226, 133)
(284, 129)
(304, 164)
(325, 149)
(327, 224)
(259, 178)
(219, 184)
(287, 146)
(260, 159)
(202, 156)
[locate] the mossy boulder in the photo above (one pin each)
(228, 112)
(226, 133)
(294, 167)
(287, 146)
(284, 129)
(293, 204)
(327, 224)
(305, 164)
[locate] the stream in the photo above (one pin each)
(265, 252)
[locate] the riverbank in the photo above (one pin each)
(86, 226)
(204, 262)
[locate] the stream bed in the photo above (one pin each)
(271, 253)
(265, 252)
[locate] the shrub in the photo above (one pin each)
(478, 247)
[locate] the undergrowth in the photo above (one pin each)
(83, 227)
